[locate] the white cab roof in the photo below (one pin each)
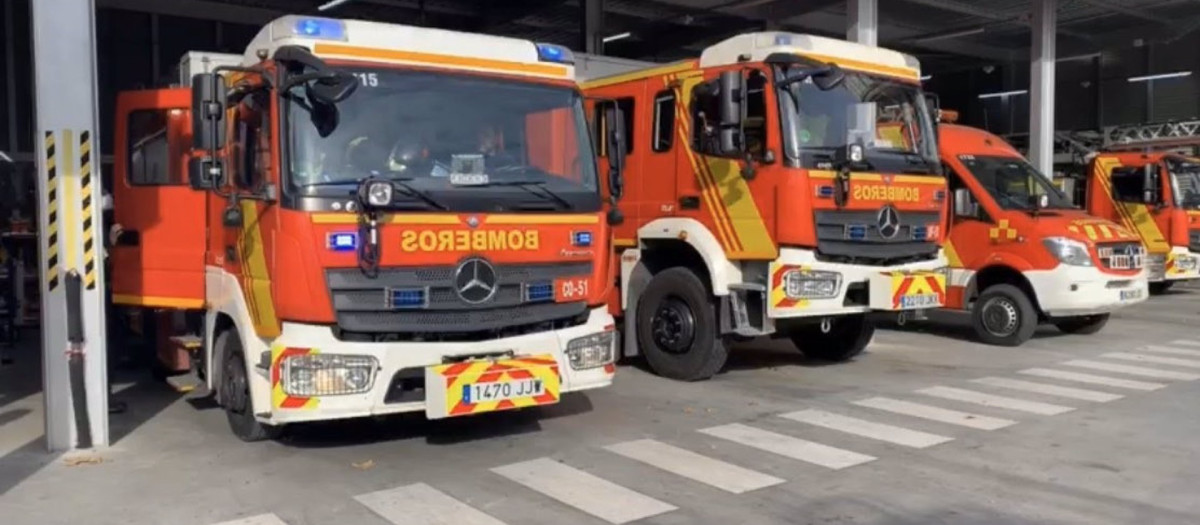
(755, 47)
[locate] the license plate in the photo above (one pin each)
(1129, 295)
(490, 392)
(898, 291)
(920, 301)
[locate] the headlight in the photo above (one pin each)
(803, 284)
(1187, 262)
(328, 374)
(1068, 251)
(379, 193)
(590, 351)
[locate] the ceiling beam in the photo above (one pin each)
(202, 9)
(494, 15)
(1024, 19)
(1129, 11)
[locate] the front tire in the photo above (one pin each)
(677, 327)
(1004, 316)
(1160, 287)
(847, 336)
(235, 392)
(1082, 325)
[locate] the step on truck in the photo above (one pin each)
(781, 184)
(1021, 253)
(365, 219)
(1157, 196)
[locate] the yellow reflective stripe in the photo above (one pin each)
(350, 218)
(952, 257)
(164, 302)
(669, 69)
(878, 177)
(255, 277)
(541, 219)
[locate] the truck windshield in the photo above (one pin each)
(889, 118)
(1185, 180)
(435, 130)
(1014, 183)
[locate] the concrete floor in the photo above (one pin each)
(1071, 456)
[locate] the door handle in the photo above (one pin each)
(128, 238)
(689, 202)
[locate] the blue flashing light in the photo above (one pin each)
(323, 28)
(920, 233)
(825, 191)
(939, 195)
(582, 239)
(856, 232)
(407, 298)
(555, 53)
(343, 241)
(539, 292)
(783, 40)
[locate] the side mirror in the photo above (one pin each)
(964, 204)
(209, 98)
(615, 148)
(732, 96)
(331, 88)
(205, 173)
(1150, 184)
(830, 78)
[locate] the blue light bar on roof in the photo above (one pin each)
(555, 53)
(323, 28)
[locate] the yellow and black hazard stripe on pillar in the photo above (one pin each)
(51, 212)
(85, 185)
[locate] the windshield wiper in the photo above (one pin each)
(541, 190)
(408, 189)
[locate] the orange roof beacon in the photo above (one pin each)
(1157, 196)
(1020, 253)
(780, 184)
(370, 219)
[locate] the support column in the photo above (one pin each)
(591, 25)
(1041, 89)
(862, 21)
(74, 374)
(10, 46)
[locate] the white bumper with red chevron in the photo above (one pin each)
(895, 278)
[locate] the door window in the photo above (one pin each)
(155, 151)
(1129, 185)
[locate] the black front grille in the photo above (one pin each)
(364, 309)
(1194, 241)
(1121, 255)
(854, 236)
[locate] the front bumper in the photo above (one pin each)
(868, 287)
(406, 361)
(1181, 264)
(1075, 290)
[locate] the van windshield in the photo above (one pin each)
(1013, 182)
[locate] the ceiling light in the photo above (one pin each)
(618, 36)
(948, 35)
(1003, 94)
(332, 4)
(926, 77)
(1160, 76)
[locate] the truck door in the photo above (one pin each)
(158, 258)
(1148, 220)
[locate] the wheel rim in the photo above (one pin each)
(1000, 317)
(236, 390)
(674, 326)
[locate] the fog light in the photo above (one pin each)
(328, 374)
(590, 351)
(802, 284)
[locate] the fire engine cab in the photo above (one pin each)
(369, 219)
(780, 184)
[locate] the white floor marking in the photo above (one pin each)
(932, 413)
(1052, 390)
(860, 427)
(1093, 379)
(1172, 350)
(599, 497)
(1186, 342)
(1133, 370)
(681, 462)
(788, 446)
(1155, 359)
(421, 504)
(261, 519)
(988, 400)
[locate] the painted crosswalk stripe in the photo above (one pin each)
(261, 519)
(681, 462)
(1133, 370)
(989, 400)
(421, 504)
(1154, 359)
(1172, 350)
(868, 429)
(1080, 377)
(1051, 390)
(599, 497)
(1186, 342)
(932, 413)
(788, 446)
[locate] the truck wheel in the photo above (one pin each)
(677, 327)
(847, 337)
(235, 392)
(1160, 287)
(1004, 316)
(1083, 325)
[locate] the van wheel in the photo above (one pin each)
(846, 337)
(1160, 287)
(1083, 325)
(235, 392)
(677, 327)
(1004, 316)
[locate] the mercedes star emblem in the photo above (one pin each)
(475, 280)
(473, 221)
(889, 222)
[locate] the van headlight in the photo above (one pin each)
(805, 284)
(1068, 251)
(590, 351)
(327, 374)
(1187, 263)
